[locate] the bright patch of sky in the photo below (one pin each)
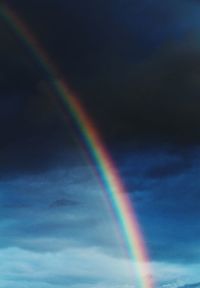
(56, 231)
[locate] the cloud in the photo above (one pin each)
(56, 230)
(173, 275)
(133, 63)
(87, 229)
(42, 212)
(166, 202)
(194, 285)
(170, 169)
(62, 203)
(71, 266)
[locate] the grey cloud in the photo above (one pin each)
(44, 212)
(171, 169)
(193, 285)
(63, 203)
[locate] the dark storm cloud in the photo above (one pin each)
(171, 169)
(31, 122)
(34, 155)
(74, 32)
(164, 100)
(100, 55)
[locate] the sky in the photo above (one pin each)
(134, 65)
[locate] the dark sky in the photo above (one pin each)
(134, 65)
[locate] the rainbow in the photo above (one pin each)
(115, 191)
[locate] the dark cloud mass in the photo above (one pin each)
(154, 95)
(195, 285)
(62, 203)
(173, 168)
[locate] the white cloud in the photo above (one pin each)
(88, 264)
(173, 275)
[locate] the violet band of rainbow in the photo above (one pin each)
(116, 193)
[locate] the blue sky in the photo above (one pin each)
(56, 230)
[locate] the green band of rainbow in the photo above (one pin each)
(115, 191)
